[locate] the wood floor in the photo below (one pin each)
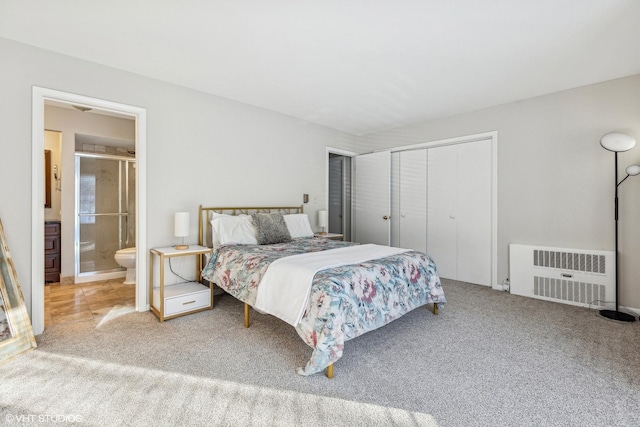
(85, 301)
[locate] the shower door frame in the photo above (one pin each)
(116, 272)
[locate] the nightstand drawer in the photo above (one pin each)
(183, 297)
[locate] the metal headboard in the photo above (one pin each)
(203, 215)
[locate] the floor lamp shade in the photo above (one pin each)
(617, 142)
(181, 227)
(633, 170)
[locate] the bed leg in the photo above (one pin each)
(330, 371)
(435, 308)
(246, 315)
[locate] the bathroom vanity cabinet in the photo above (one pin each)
(186, 297)
(52, 251)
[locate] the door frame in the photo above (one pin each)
(39, 96)
(493, 136)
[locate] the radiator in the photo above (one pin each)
(570, 276)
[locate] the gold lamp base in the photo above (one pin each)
(181, 247)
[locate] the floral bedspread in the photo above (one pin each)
(344, 302)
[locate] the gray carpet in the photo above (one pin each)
(488, 359)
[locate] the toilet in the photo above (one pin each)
(127, 258)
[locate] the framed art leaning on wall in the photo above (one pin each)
(16, 334)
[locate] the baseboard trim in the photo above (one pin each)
(69, 280)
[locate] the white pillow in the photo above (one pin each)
(298, 225)
(215, 238)
(228, 229)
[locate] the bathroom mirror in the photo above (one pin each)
(16, 334)
(47, 178)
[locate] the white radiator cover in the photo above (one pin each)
(579, 277)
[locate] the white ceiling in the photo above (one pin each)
(358, 66)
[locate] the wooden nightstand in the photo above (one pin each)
(330, 236)
(169, 301)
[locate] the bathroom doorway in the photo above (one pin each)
(105, 219)
(138, 114)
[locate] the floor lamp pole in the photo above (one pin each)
(615, 314)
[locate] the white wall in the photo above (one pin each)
(69, 122)
(200, 148)
(555, 182)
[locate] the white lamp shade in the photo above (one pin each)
(323, 218)
(181, 225)
(617, 141)
(633, 170)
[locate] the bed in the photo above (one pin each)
(330, 291)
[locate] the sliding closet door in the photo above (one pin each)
(395, 200)
(412, 224)
(474, 212)
(372, 198)
(459, 211)
(442, 230)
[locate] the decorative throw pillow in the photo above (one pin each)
(270, 228)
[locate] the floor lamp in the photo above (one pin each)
(617, 142)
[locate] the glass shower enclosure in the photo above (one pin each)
(105, 214)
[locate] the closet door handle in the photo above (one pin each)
(452, 216)
(386, 217)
